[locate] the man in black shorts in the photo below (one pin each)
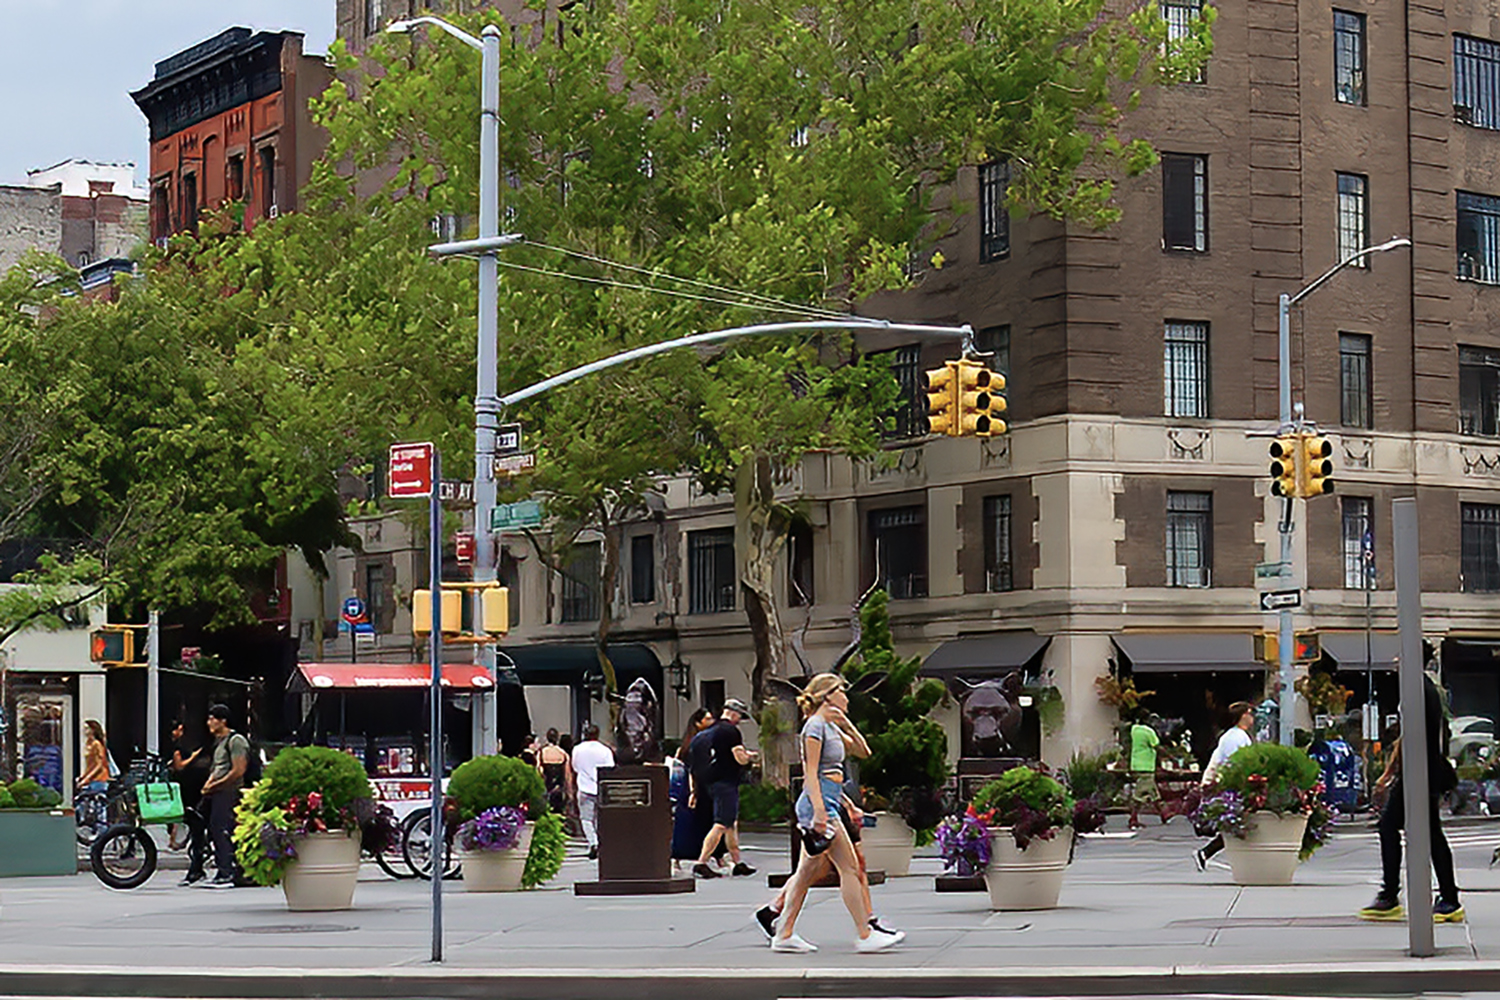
(719, 781)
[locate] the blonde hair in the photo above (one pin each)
(817, 691)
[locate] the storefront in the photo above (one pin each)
(1195, 677)
(564, 684)
(48, 686)
(1471, 673)
(971, 660)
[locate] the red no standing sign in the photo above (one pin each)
(410, 470)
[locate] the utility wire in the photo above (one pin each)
(617, 283)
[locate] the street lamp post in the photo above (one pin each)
(486, 402)
(1288, 698)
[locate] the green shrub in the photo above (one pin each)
(549, 844)
(765, 803)
(1022, 787)
(299, 771)
(7, 800)
(1271, 770)
(26, 793)
(1087, 776)
(487, 782)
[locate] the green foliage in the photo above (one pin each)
(1271, 770)
(549, 845)
(7, 800)
(251, 817)
(487, 782)
(1022, 786)
(27, 794)
(765, 803)
(1050, 708)
(1087, 776)
(299, 771)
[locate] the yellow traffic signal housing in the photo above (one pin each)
(980, 403)
(495, 615)
(1316, 466)
(942, 406)
(1307, 647)
(112, 645)
(421, 612)
(996, 423)
(1284, 478)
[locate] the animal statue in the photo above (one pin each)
(638, 728)
(991, 712)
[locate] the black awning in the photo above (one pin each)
(573, 662)
(991, 652)
(1189, 652)
(1348, 648)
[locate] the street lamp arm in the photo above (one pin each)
(963, 333)
(1391, 244)
(404, 26)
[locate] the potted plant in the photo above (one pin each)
(303, 823)
(908, 762)
(36, 836)
(1268, 802)
(1018, 832)
(507, 839)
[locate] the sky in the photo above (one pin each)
(70, 65)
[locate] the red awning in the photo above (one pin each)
(325, 676)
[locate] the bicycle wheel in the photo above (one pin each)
(88, 815)
(392, 860)
(416, 847)
(124, 856)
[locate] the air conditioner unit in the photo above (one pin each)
(273, 212)
(1463, 114)
(161, 242)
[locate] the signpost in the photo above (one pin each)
(511, 516)
(463, 547)
(507, 439)
(412, 470)
(460, 491)
(509, 465)
(1272, 570)
(1275, 600)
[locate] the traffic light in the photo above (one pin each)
(1284, 467)
(1316, 466)
(495, 602)
(995, 423)
(1307, 647)
(942, 415)
(112, 645)
(421, 612)
(980, 403)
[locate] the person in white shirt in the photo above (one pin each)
(1236, 737)
(588, 757)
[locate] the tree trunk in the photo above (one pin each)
(761, 537)
(609, 566)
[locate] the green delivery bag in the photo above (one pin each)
(159, 801)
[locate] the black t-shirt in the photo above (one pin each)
(723, 736)
(700, 755)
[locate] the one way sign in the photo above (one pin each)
(1275, 600)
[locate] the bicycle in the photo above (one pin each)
(416, 847)
(94, 812)
(124, 856)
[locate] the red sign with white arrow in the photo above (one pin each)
(410, 472)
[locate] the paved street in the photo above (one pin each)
(1133, 908)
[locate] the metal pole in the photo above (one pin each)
(435, 727)
(1288, 696)
(153, 684)
(486, 403)
(1413, 728)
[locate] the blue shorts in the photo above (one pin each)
(833, 797)
(725, 796)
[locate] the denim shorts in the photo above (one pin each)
(833, 794)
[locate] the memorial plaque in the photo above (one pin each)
(624, 794)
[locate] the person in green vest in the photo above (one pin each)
(1143, 744)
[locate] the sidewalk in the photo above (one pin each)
(1135, 917)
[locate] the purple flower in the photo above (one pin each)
(964, 843)
(497, 829)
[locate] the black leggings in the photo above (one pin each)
(1392, 821)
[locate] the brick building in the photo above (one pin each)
(83, 211)
(230, 125)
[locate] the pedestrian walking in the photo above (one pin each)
(221, 794)
(720, 782)
(827, 735)
(189, 769)
(98, 766)
(687, 834)
(556, 767)
(1143, 744)
(1441, 779)
(1236, 737)
(588, 757)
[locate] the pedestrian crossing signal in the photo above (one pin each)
(112, 645)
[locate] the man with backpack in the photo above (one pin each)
(221, 793)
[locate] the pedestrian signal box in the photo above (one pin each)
(112, 645)
(1306, 647)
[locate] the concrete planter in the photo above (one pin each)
(37, 842)
(1030, 879)
(323, 875)
(1267, 855)
(497, 871)
(888, 844)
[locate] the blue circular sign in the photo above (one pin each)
(354, 609)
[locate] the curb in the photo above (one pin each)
(1398, 977)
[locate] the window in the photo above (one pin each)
(510, 578)
(1189, 539)
(1184, 202)
(799, 565)
(1479, 237)
(580, 584)
(1478, 391)
(711, 696)
(83, 258)
(642, 569)
(1180, 15)
(998, 567)
(1481, 548)
(1476, 81)
(899, 537)
(378, 595)
(1348, 57)
(910, 414)
(374, 16)
(1354, 217)
(190, 202)
(1359, 543)
(267, 157)
(1186, 379)
(995, 341)
(994, 217)
(161, 219)
(1354, 380)
(234, 175)
(711, 577)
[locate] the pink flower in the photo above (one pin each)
(315, 800)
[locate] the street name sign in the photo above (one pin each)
(510, 516)
(507, 439)
(1268, 570)
(463, 547)
(456, 491)
(1275, 600)
(410, 472)
(509, 465)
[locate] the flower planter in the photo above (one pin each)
(497, 871)
(1030, 879)
(1267, 855)
(323, 875)
(37, 842)
(888, 844)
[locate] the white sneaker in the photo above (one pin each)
(877, 941)
(793, 944)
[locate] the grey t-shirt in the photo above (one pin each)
(227, 748)
(817, 728)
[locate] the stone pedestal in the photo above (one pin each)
(635, 834)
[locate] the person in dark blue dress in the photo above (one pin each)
(688, 829)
